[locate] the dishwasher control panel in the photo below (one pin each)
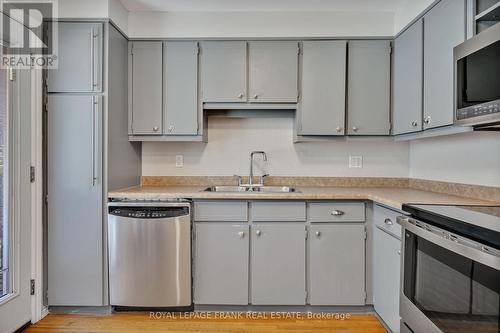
(149, 212)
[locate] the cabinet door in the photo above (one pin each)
(221, 264)
(444, 28)
(337, 264)
(408, 80)
(79, 58)
(323, 88)
(386, 277)
(180, 89)
(146, 87)
(224, 71)
(75, 200)
(368, 92)
(278, 264)
(273, 74)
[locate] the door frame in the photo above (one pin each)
(38, 307)
(25, 96)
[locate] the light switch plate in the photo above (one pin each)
(355, 162)
(179, 161)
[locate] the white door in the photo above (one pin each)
(15, 214)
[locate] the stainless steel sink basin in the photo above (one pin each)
(227, 189)
(255, 189)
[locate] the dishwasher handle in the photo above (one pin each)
(150, 212)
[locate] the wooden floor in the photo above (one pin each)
(142, 322)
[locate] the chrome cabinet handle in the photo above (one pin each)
(92, 64)
(338, 129)
(388, 222)
(258, 233)
(336, 212)
(240, 96)
(94, 140)
(93, 56)
(255, 96)
(355, 129)
(241, 234)
(399, 252)
(428, 120)
(318, 234)
(155, 129)
(414, 124)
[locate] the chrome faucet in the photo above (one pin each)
(264, 158)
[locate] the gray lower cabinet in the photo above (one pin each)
(221, 263)
(79, 58)
(224, 71)
(336, 264)
(145, 88)
(278, 264)
(368, 91)
(180, 88)
(74, 189)
(408, 80)
(386, 266)
(273, 71)
(386, 277)
(322, 102)
(444, 28)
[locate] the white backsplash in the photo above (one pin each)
(230, 141)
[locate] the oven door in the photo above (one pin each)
(449, 283)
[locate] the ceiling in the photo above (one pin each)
(262, 5)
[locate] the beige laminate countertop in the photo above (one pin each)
(388, 196)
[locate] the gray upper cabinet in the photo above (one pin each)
(322, 104)
(224, 71)
(145, 84)
(273, 72)
(408, 80)
(444, 28)
(368, 92)
(79, 58)
(278, 264)
(221, 263)
(180, 89)
(337, 264)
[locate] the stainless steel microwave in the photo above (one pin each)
(477, 80)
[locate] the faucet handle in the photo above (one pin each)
(262, 178)
(240, 179)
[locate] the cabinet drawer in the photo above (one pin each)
(269, 211)
(231, 211)
(386, 219)
(337, 212)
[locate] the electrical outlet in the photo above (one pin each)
(355, 162)
(179, 161)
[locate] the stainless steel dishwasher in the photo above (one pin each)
(149, 254)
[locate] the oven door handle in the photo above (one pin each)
(467, 251)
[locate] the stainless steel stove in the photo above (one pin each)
(451, 269)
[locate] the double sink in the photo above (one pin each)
(256, 189)
(251, 187)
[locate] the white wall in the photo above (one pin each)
(112, 9)
(408, 10)
(119, 15)
(83, 8)
(259, 24)
(231, 140)
(471, 158)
